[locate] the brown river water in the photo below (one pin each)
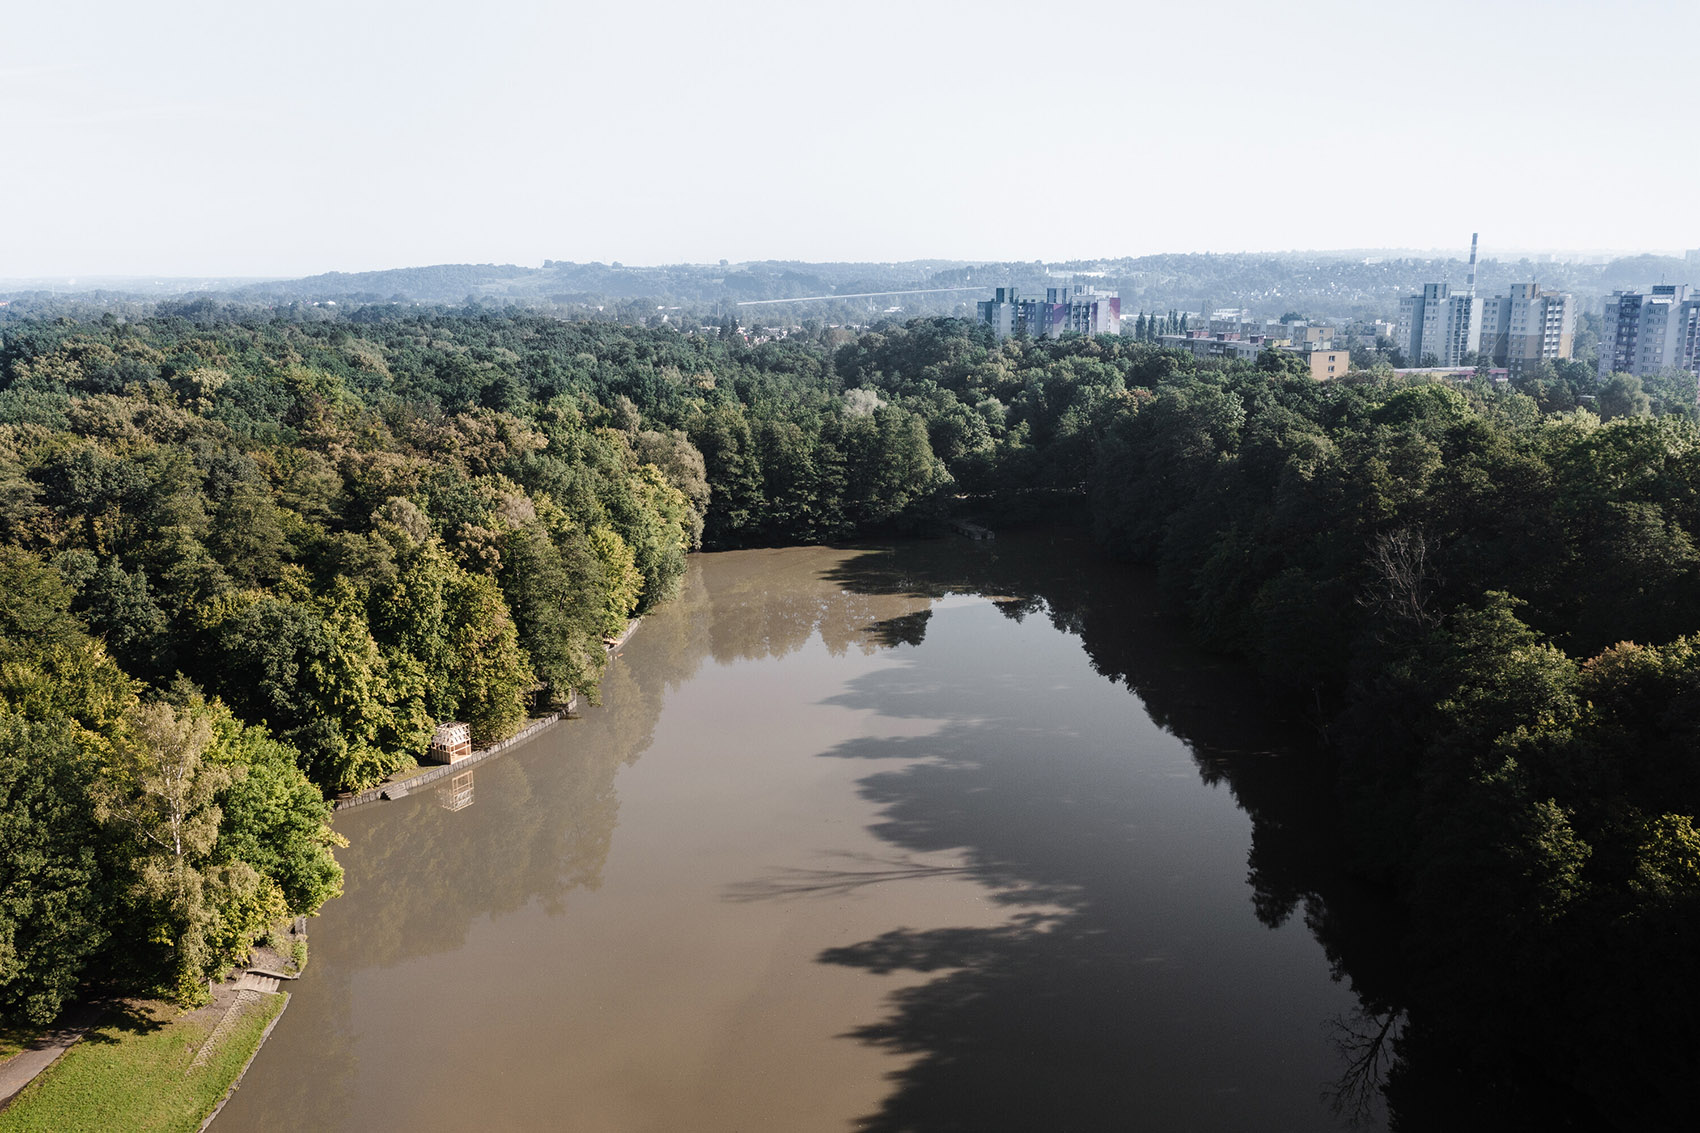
(929, 836)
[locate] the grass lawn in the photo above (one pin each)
(132, 1072)
(15, 1039)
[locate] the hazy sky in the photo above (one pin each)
(230, 138)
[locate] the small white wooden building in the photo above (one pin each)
(451, 743)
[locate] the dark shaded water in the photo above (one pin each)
(857, 839)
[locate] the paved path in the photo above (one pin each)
(16, 1072)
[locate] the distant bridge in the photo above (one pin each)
(856, 295)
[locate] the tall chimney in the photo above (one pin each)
(1473, 265)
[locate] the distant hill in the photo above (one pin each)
(442, 283)
(1317, 284)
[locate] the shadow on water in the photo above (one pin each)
(1039, 1022)
(420, 874)
(1098, 1002)
(422, 871)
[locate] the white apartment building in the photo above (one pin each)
(1646, 332)
(1527, 326)
(1002, 314)
(1441, 323)
(1084, 311)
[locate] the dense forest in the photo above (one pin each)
(251, 562)
(251, 565)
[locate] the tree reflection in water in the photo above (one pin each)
(868, 870)
(423, 870)
(1366, 1043)
(1036, 1023)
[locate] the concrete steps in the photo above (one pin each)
(244, 996)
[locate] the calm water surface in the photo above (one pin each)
(884, 839)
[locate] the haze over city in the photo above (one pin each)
(188, 138)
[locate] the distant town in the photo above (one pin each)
(1438, 330)
(1588, 315)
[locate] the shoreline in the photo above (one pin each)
(391, 789)
(399, 788)
(150, 1063)
(236, 1082)
(395, 789)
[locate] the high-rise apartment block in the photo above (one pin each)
(1002, 314)
(1646, 332)
(1515, 330)
(1440, 323)
(1084, 311)
(1527, 327)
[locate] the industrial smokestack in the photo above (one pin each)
(1473, 265)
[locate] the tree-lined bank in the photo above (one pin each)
(269, 552)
